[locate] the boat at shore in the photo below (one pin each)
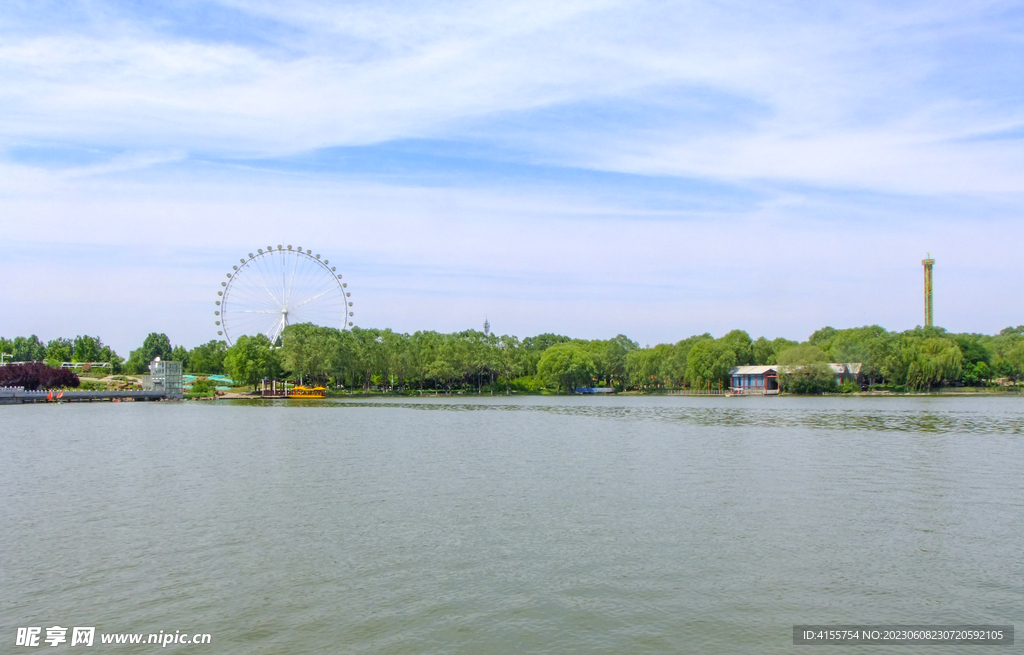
(307, 392)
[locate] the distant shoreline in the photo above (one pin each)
(667, 393)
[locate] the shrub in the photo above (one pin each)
(203, 387)
(850, 387)
(525, 384)
(812, 378)
(37, 376)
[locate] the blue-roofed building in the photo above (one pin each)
(765, 379)
(755, 379)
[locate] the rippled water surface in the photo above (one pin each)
(494, 525)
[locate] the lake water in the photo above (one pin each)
(497, 525)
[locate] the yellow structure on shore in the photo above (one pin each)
(307, 392)
(274, 389)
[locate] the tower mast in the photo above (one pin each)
(928, 308)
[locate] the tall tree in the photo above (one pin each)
(616, 351)
(534, 347)
(681, 354)
(208, 358)
(803, 354)
(710, 361)
(179, 354)
(823, 338)
(29, 349)
(251, 359)
(740, 343)
(566, 366)
(59, 351)
(87, 349)
(642, 368)
(155, 345)
(804, 369)
(765, 352)
(937, 361)
(309, 351)
(508, 360)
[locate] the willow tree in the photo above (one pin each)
(309, 351)
(937, 361)
(566, 365)
(710, 361)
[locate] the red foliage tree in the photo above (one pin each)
(35, 376)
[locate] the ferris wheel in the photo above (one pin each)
(277, 287)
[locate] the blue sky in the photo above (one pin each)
(588, 168)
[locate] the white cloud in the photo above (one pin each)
(371, 73)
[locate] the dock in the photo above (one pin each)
(18, 396)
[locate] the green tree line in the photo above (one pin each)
(55, 352)
(365, 358)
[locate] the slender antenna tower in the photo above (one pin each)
(928, 308)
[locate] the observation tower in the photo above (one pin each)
(928, 308)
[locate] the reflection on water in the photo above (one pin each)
(837, 415)
(501, 525)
